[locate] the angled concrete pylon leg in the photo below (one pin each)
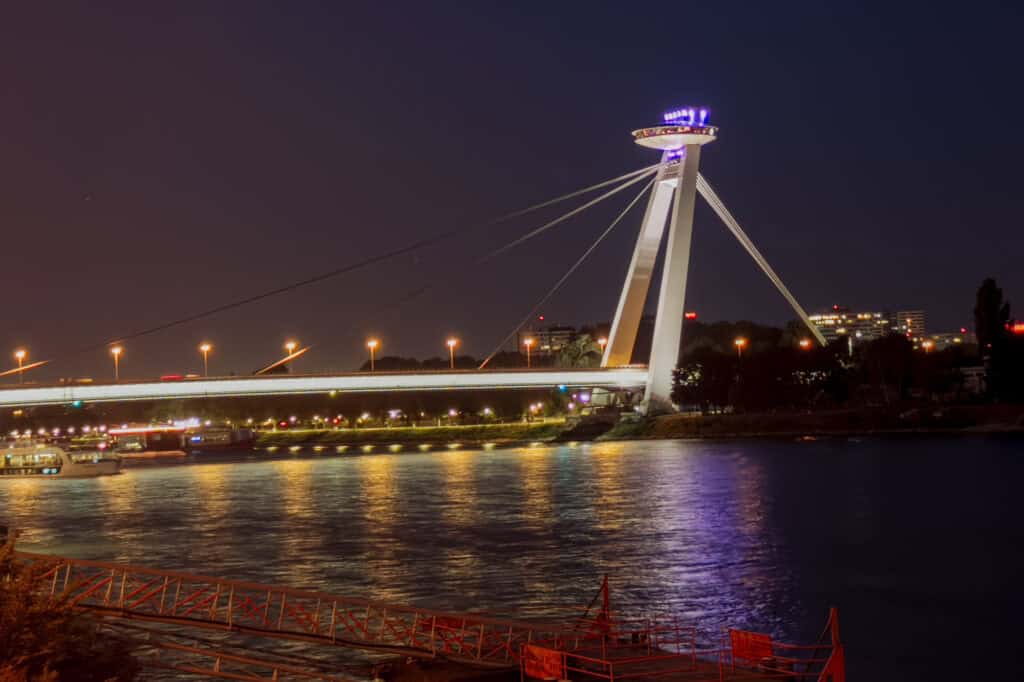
(668, 321)
(626, 322)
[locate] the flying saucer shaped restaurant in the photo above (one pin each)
(682, 127)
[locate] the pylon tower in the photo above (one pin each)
(679, 138)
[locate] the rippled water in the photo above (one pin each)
(918, 542)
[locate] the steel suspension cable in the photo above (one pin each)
(562, 218)
(716, 204)
(366, 262)
(558, 285)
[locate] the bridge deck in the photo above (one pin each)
(612, 378)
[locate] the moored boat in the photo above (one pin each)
(29, 459)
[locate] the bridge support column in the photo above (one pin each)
(622, 336)
(678, 181)
(668, 321)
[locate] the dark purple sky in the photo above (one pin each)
(158, 161)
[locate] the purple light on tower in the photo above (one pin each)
(686, 116)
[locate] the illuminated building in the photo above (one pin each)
(910, 323)
(946, 340)
(548, 341)
(842, 323)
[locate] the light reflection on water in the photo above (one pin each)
(765, 534)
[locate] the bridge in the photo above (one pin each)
(608, 378)
(674, 184)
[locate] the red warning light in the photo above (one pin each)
(963, 330)
(540, 317)
(690, 315)
(1017, 328)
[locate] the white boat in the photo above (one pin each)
(27, 459)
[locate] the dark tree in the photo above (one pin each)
(991, 315)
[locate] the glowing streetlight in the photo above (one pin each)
(116, 352)
(741, 343)
(805, 344)
(529, 344)
(452, 343)
(290, 346)
(205, 349)
(372, 344)
(927, 345)
(602, 342)
(20, 356)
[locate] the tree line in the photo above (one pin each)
(772, 370)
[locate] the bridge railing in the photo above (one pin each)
(215, 603)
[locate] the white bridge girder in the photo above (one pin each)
(619, 378)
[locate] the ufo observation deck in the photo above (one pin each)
(682, 127)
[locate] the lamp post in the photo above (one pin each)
(602, 342)
(805, 344)
(116, 352)
(372, 344)
(205, 349)
(20, 355)
(741, 343)
(289, 347)
(451, 343)
(529, 344)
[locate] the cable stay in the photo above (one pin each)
(643, 173)
(366, 262)
(716, 204)
(579, 209)
(585, 190)
(558, 285)
(636, 176)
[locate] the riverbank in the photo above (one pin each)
(855, 422)
(965, 419)
(476, 435)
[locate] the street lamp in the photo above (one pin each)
(927, 345)
(741, 343)
(529, 344)
(372, 344)
(602, 342)
(205, 349)
(290, 347)
(451, 343)
(116, 352)
(805, 344)
(20, 355)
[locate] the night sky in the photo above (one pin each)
(157, 161)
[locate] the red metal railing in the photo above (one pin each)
(206, 602)
(641, 649)
(601, 645)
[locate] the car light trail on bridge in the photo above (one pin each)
(611, 378)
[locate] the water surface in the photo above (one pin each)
(918, 542)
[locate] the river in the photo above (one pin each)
(918, 542)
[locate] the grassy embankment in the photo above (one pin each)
(477, 434)
(957, 419)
